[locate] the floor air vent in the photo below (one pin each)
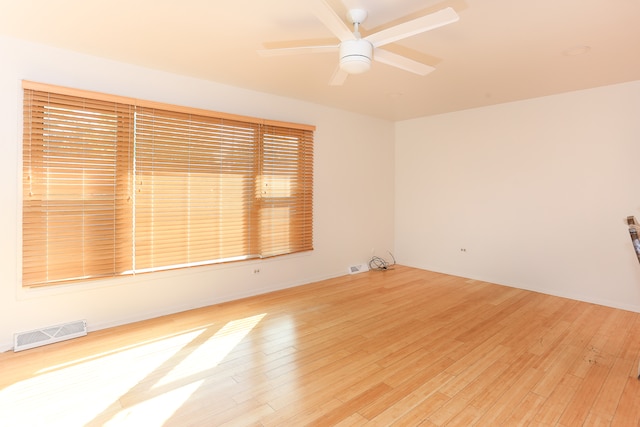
(354, 269)
(49, 335)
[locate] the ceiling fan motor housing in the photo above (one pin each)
(355, 56)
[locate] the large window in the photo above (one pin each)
(116, 186)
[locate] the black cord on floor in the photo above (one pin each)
(380, 264)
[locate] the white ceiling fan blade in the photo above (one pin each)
(339, 77)
(411, 28)
(402, 62)
(331, 20)
(298, 50)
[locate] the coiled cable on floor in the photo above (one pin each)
(380, 264)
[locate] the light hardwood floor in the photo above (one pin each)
(404, 347)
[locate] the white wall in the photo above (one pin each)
(536, 192)
(353, 164)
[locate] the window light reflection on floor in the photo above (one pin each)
(212, 351)
(147, 382)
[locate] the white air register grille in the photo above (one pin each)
(49, 335)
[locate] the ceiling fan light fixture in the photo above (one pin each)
(355, 64)
(355, 56)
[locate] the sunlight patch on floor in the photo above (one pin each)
(154, 411)
(210, 353)
(144, 382)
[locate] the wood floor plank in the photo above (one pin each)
(419, 413)
(495, 389)
(352, 407)
(628, 410)
(607, 400)
(508, 402)
(556, 403)
(578, 408)
(404, 347)
(410, 400)
(411, 385)
(526, 410)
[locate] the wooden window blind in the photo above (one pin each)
(285, 191)
(77, 185)
(195, 179)
(116, 186)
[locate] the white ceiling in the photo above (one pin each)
(499, 50)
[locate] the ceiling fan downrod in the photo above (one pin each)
(355, 55)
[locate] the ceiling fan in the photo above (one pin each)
(356, 52)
